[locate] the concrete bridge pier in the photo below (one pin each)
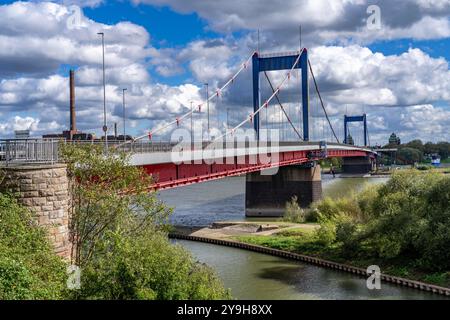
(266, 195)
(358, 165)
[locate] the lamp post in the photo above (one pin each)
(192, 132)
(123, 97)
(207, 104)
(105, 128)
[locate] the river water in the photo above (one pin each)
(252, 275)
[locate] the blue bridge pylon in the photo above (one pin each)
(261, 63)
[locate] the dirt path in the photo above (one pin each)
(225, 230)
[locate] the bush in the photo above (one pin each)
(346, 234)
(332, 209)
(365, 200)
(147, 266)
(293, 212)
(28, 267)
(326, 234)
(413, 219)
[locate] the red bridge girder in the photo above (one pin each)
(170, 175)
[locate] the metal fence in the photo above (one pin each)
(29, 151)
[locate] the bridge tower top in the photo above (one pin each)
(362, 118)
(281, 61)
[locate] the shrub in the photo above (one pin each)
(326, 234)
(147, 266)
(293, 212)
(414, 219)
(346, 235)
(28, 267)
(365, 199)
(332, 209)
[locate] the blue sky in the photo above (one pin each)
(164, 50)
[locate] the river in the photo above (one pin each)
(252, 275)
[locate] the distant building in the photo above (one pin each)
(350, 140)
(393, 139)
(22, 134)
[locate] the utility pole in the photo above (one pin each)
(105, 127)
(123, 96)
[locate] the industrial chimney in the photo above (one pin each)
(73, 125)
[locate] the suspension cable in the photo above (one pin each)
(178, 119)
(252, 115)
(281, 106)
(321, 101)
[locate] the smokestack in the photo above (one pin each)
(73, 125)
(115, 130)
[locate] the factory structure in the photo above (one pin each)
(73, 133)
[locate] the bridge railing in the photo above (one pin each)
(29, 151)
(48, 150)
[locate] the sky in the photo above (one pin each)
(390, 61)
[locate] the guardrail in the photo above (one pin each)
(47, 150)
(29, 151)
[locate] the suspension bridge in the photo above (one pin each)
(276, 169)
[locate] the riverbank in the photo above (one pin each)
(282, 239)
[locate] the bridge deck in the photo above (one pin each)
(186, 166)
(185, 153)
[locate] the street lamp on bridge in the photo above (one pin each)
(105, 127)
(123, 105)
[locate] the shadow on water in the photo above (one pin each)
(330, 284)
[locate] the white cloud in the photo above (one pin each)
(399, 92)
(323, 21)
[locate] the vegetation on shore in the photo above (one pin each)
(28, 267)
(119, 236)
(403, 226)
(416, 151)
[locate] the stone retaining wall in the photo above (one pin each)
(44, 189)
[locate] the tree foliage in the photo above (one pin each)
(28, 267)
(107, 194)
(406, 218)
(118, 226)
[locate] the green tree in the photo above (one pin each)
(119, 229)
(409, 155)
(443, 148)
(415, 144)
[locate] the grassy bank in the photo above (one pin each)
(303, 241)
(403, 227)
